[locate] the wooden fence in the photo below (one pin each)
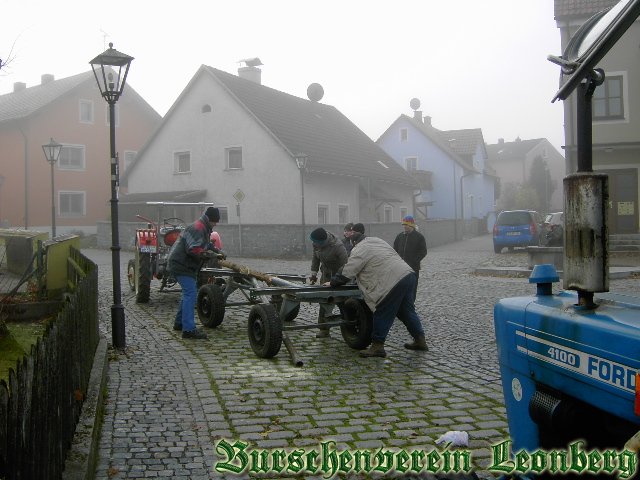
(40, 405)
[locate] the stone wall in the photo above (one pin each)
(285, 241)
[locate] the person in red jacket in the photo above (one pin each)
(411, 246)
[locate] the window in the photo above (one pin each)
(411, 163)
(86, 111)
(206, 108)
(182, 162)
(116, 113)
(343, 214)
(404, 135)
(608, 101)
(404, 211)
(388, 212)
(234, 158)
(71, 157)
(323, 214)
(224, 214)
(71, 204)
(129, 157)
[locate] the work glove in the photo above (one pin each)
(219, 254)
(207, 254)
(313, 278)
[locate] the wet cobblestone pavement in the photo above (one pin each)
(170, 401)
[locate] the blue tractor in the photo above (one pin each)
(570, 361)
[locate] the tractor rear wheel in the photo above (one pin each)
(265, 330)
(357, 333)
(144, 277)
(210, 305)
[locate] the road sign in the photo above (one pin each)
(239, 195)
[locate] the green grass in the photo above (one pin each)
(13, 347)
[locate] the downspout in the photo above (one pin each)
(26, 180)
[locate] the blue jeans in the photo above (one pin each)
(185, 315)
(397, 303)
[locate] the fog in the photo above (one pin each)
(472, 64)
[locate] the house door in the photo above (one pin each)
(623, 200)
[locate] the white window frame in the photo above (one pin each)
(90, 111)
(68, 166)
(413, 159)
(343, 213)
(117, 114)
(404, 135)
(176, 162)
(227, 152)
(67, 214)
(625, 101)
(224, 214)
(388, 214)
(324, 208)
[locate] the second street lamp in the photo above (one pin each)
(110, 69)
(301, 162)
(52, 153)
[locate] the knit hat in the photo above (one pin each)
(358, 227)
(213, 214)
(348, 227)
(319, 236)
(409, 220)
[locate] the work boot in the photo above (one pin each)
(375, 350)
(419, 343)
(177, 327)
(195, 335)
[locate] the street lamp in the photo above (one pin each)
(111, 81)
(52, 153)
(301, 162)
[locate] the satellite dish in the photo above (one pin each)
(315, 92)
(592, 41)
(414, 103)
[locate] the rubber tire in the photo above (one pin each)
(276, 301)
(265, 330)
(131, 274)
(210, 305)
(144, 278)
(497, 248)
(357, 336)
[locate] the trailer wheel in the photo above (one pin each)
(210, 305)
(131, 274)
(144, 278)
(276, 301)
(265, 330)
(357, 334)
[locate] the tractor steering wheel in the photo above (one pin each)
(173, 222)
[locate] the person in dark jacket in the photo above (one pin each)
(186, 256)
(411, 246)
(346, 238)
(329, 255)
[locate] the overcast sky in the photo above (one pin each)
(471, 63)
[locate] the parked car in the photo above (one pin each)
(552, 230)
(516, 228)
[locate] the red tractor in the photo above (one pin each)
(152, 252)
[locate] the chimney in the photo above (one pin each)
(501, 141)
(46, 78)
(19, 86)
(427, 120)
(417, 115)
(253, 74)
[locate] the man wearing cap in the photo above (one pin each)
(186, 256)
(329, 255)
(387, 285)
(411, 246)
(346, 237)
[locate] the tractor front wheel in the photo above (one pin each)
(131, 274)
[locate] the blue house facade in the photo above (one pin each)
(450, 167)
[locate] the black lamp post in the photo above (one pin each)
(52, 153)
(301, 162)
(110, 69)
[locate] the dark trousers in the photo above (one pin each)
(397, 303)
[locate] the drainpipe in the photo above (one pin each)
(462, 200)
(26, 179)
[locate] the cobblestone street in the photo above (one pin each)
(171, 400)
